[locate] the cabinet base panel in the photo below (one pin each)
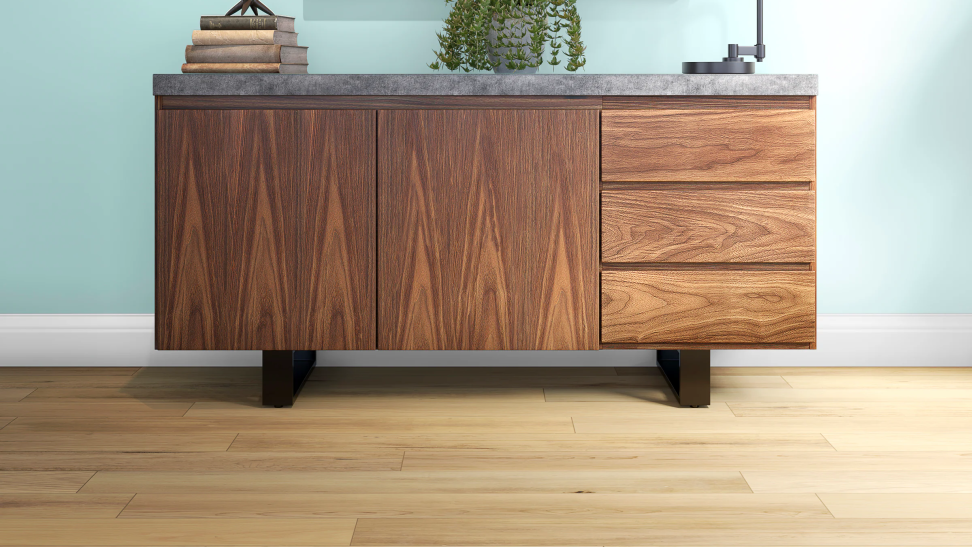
(284, 374)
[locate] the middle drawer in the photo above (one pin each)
(775, 226)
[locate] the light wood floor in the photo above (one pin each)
(589, 457)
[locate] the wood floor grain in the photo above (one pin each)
(429, 482)
(62, 506)
(681, 532)
(510, 506)
(899, 506)
(13, 394)
(453, 456)
(12, 482)
(155, 532)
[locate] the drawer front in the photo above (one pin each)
(709, 145)
(725, 307)
(707, 226)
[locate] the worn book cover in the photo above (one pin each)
(251, 22)
(248, 68)
(247, 54)
(243, 37)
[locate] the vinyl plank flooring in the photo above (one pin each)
(128, 409)
(270, 442)
(722, 382)
(324, 409)
(42, 482)
(882, 410)
(61, 506)
(415, 482)
(14, 394)
(188, 392)
(866, 428)
(314, 390)
(114, 442)
(509, 506)
(158, 532)
(925, 441)
(390, 460)
(618, 394)
(279, 423)
(862, 481)
(581, 456)
(961, 380)
(681, 532)
(57, 372)
(770, 395)
(685, 460)
(219, 375)
(899, 506)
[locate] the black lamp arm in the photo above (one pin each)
(759, 50)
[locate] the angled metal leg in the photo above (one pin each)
(688, 374)
(284, 373)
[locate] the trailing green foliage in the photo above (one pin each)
(523, 27)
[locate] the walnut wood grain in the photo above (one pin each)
(190, 230)
(707, 226)
(709, 145)
(251, 205)
(488, 230)
(261, 243)
(340, 102)
(788, 102)
(336, 185)
(711, 266)
(708, 307)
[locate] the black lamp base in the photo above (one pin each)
(722, 67)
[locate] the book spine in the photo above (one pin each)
(250, 68)
(239, 23)
(233, 54)
(240, 37)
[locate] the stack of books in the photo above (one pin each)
(251, 44)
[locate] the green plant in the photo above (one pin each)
(465, 42)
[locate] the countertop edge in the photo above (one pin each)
(482, 84)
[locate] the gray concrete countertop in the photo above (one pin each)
(484, 84)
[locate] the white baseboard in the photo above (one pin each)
(842, 340)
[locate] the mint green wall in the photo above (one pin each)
(895, 189)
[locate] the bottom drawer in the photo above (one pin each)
(724, 307)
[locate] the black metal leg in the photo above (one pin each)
(688, 374)
(284, 373)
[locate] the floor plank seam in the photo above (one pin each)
(745, 480)
(188, 409)
(573, 425)
(126, 505)
(828, 442)
(86, 482)
(356, 521)
(787, 382)
(231, 442)
(8, 423)
(825, 506)
(401, 466)
(28, 395)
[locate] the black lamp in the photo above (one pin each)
(734, 63)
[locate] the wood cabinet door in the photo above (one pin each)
(265, 230)
(488, 230)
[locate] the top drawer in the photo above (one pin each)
(709, 145)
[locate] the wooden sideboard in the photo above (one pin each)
(290, 224)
